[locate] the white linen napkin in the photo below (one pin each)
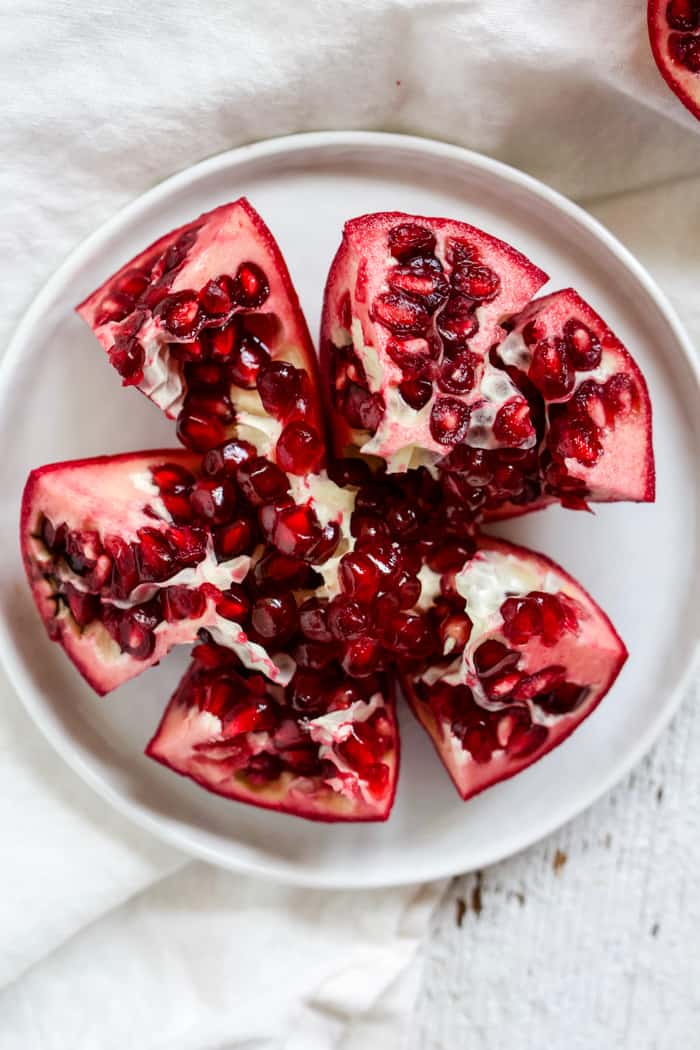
(108, 938)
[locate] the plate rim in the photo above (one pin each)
(295, 872)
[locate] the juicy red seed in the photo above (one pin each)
(233, 604)
(182, 603)
(276, 569)
(359, 577)
(252, 715)
(210, 403)
(234, 539)
(387, 556)
(683, 14)
(513, 425)
(115, 307)
(413, 356)
(407, 588)
(215, 298)
(363, 746)
(250, 286)
(313, 620)
(522, 744)
(563, 699)
(478, 740)
(550, 369)
(134, 638)
(325, 545)
(408, 635)
(213, 500)
(455, 632)
(539, 682)
(170, 476)
(416, 392)
(177, 503)
(403, 520)
(492, 657)
(263, 768)
(451, 555)
(189, 544)
(211, 656)
(449, 421)
(279, 384)
(577, 439)
(346, 619)
(127, 357)
(125, 576)
(410, 239)
(299, 449)
(401, 315)
(476, 282)
(204, 374)
(362, 657)
(303, 761)
(292, 529)
(223, 342)
(306, 693)
(261, 481)
(583, 345)
(422, 278)
(621, 394)
(199, 432)
(132, 282)
(457, 374)
(457, 322)
(522, 619)
(274, 617)
(368, 526)
(362, 409)
(377, 777)
(500, 686)
(345, 311)
(227, 459)
(180, 313)
(246, 362)
(349, 471)
(155, 557)
(84, 607)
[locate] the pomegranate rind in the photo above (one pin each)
(625, 469)
(364, 249)
(225, 237)
(98, 493)
(600, 647)
(682, 82)
(183, 727)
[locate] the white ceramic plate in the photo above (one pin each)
(59, 399)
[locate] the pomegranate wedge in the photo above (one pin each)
(530, 658)
(412, 307)
(207, 324)
(325, 749)
(674, 33)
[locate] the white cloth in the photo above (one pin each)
(108, 938)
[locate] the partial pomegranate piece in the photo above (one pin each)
(412, 307)
(207, 324)
(674, 33)
(596, 411)
(534, 658)
(319, 748)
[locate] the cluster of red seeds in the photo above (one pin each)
(684, 17)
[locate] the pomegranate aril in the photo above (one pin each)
(686, 50)
(127, 356)
(409, 636)
(451, 555)
(155, 557)
(276, 569)
(233, 604)
(476, 282)
(177, 503)
(413, 356)
(683, 14)
(522, 620)
(368, 526)
(457, 322)
(293, 529)
(346, 619)
(250, 286)
(115, 307)
(213, 499)
(362, 409)
(423, 279)
(134, 637)
(583, 345)
(199, 432)
(226, 459)
(202, 375)
(250, 716)
(313, 620)
(222, 342)
(215, 298)
(275, 617)
(315, 655)
(233, 539)
(492, 657)
(550, 369)
(168, 476)
(189, 544)
(246, 361)
(478, 740)
(124, 572)
(621, 394)
(542, 681)
(306, 692)
(386, 556)
(325, 546)
(359, 577)
(416, 392)
(299, 449)
(263, 768)
(409, 239)
(458, 374)
(362, 657)
(455, 632)
(449, 421)
(348, 471)
(513, 423)
(261, 481)
(84, 607)
(525, 742)
(133, 283)
(82, 549)
(182, 603)
(575, 439)
(565, 698)
(279, 385)
(401, 315)
(180, 313)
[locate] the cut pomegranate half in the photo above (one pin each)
(412, 307)
(207, 324)
(592, 400)
(322, 748)
(531, 659)
(129, 555)
(674, 33)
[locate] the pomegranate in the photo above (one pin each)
(322, 748)
(207, 324)
(674, 32)
(412, 307)
(532, 658)
(592, 399)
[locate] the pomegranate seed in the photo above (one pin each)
(455, 632)
(82, 549)
(686, 50)
(540, 682)
(233, 539)
(212, 404)
(177, 503)
(114, 307)
(457, 374)
(223, 342)
(299, 449)
(180, 313)
(458, 321)
(386, 556)
(325, 545)
(583, 346)
(204, 374)
(169, 476)
(199, 432)
(211, 656)
(403, 521)
(477, 740)
(279, 384)
(182, 603)
(416, 392)
(263, 768)
(215, 298)
(313, 619)
(274, 617)
(124, 573)
(492, 657)
(315, 655)
(513, 424)
(362, 657)
(550, 369)
(345, 472)
(422, 278)
(101, 574)
(359, 577)
(476, 282)
(233, 604)
(84, 607)
(346, 619)
(683, 14)
(127, 356)
(293, 529)
(189, 544)
(413, 356)
(246, 361)
(563, 699)
(133, 283)
(522, 619)
(576, 439)
(501, 686)
(250, 287)
(213, 499)
(306, 692)
(451, 555)
(377, 777)
(401, 315)
(155, 558)
(261, 481)
(367, 526)
(135, 638)
(522, 744)
(449, 421)
(276, 569)
(252, 716)
(407, 588)
(408, 635)
(621, 394)
(410, 239)
(226, 459)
